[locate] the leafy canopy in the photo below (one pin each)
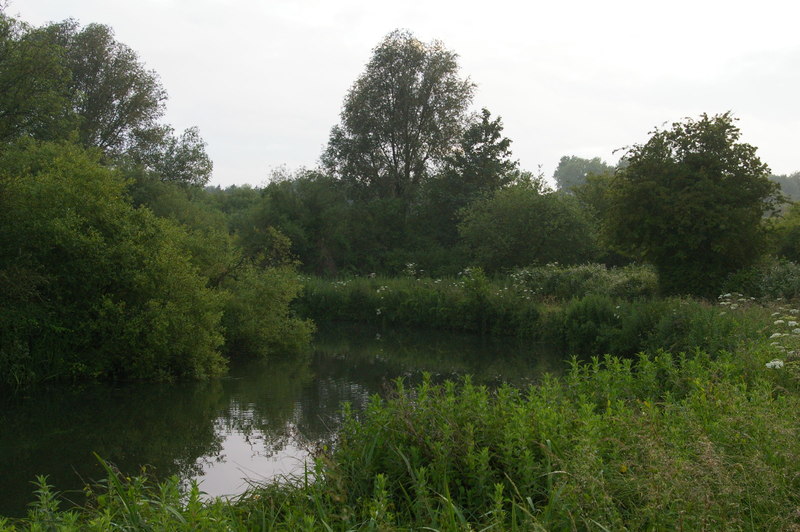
(400, 119)
(691, 201)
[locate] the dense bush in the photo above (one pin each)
(524, 224)
(592, 320)
(769, 279)
(91, 286)
(257, 318)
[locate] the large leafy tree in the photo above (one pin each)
(400, 119)
(480, 164)
(691, 201)
(572, 171)
(111, 91)
(34, 95)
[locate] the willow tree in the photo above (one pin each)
(400, 119)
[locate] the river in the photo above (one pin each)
(259, 422)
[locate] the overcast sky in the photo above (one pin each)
(264, 80)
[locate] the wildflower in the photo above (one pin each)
(775, 335)
(734, 306)
(791, 323)
(378, 311)
(776, 314)
(779, 322)
(796, 331)
(774, 364)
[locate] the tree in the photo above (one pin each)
(400, 119)
(790, 185)
(33, 84)
(691, 201)
(160, 155)
(526, 224)
(481, 163)
(572, 171)
(110, 89)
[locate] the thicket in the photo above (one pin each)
(92, 287)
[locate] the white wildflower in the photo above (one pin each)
(774, 364)
(775, 335)
(791, 323)
(779, 322)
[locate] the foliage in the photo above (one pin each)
(566, 282)
(257, 319)
(110, 90)
(94, 287)
(525, 225)
(33, 84)
(480, 165)
(769, 279)
(572, 171)
(691, 201)
(400, 119)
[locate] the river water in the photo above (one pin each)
(259, 422)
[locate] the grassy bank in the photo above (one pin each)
(656, 441)
(585, 310)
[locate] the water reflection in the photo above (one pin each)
(255, 424)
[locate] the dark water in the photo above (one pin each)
(259, 422)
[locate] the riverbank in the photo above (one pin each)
(657, 441)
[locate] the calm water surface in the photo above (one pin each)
(259, 422)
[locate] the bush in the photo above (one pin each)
(567, 282)
(89, 286)
(769, 279)
(258, 321)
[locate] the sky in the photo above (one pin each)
(264, 80)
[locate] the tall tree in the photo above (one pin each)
(572, 171)
(691, 201)
(111, 91)
(481, 163)
(400, 119)
(34, 82)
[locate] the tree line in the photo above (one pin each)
(110, 266)
(117, 261)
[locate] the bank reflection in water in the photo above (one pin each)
(255, 424)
